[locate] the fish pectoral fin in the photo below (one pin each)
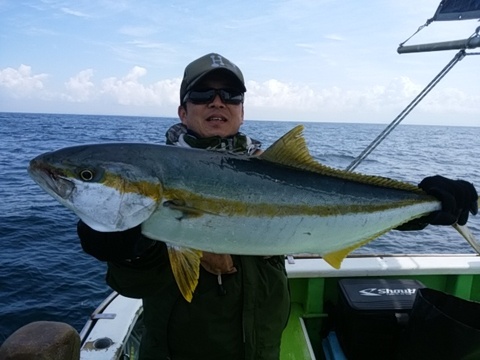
(185, 263)
(187, 211)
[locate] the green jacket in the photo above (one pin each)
(245, 321)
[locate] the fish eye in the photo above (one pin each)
(86, 175)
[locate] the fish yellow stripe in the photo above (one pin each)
(199, 204)
(142, 187)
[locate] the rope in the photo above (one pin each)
(420, 28)
(459, 56)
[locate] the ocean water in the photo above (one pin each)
(44, 275)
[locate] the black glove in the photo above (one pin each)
(113, 246)
(458, 198)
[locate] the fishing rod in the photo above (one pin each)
(459, 56)
(470, 43)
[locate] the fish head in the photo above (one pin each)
(102, 184)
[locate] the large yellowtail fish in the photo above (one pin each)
(282, 202)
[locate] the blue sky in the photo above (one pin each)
(333, 61)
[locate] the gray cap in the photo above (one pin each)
(198, 69)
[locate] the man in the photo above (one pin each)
(241, 304)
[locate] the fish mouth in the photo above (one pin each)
(50, 180)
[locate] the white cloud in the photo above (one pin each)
(395, 95)
(334, 37)
(272, 99)
(21, 82)
(452, 100)
(79, 87)
(130, 91)
(74, 12)
(143, 44)
(275, 94)
(285, 101)
(137, 31)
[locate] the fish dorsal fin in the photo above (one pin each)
(291, 150)
(185, 263)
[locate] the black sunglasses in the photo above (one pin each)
(206, 96)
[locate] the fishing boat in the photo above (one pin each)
(373, 306)
(115, 328)
(367, 308)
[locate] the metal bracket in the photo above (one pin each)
(109, 316)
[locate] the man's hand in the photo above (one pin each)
(114, 246)
(217, 264)
(458, 197)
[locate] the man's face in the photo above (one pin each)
(214, 118)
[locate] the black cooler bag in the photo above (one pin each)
(441, 327)
(371, 314)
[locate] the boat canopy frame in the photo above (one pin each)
(447, 10)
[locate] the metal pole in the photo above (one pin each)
(459, 56)
(470, 43)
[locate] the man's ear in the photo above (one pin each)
(182, 112)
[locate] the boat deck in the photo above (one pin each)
(313, 284)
